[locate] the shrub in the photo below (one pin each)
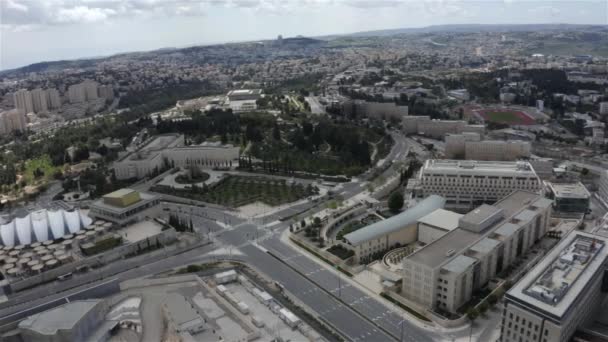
(395, 202)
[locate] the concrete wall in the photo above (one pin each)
(428, 234)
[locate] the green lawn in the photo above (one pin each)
(500, 116)
(43, 164)
(349, 228)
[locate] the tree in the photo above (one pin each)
(585, 171)
(492, 299)
(395, 202)
(303, 224)
(317, 221)
(276, 132)
(472, 314)
(483, 307)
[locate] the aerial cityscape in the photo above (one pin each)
(303, 171)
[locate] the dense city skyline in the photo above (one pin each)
(116, 26)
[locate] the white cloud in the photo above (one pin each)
(16, 6)
(83, 14)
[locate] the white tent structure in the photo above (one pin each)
(42, 225)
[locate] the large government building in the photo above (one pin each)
(384, 234)
(170, 149)
(467, 183)
(563, 292)
(443, 274)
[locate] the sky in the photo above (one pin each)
(44, 30)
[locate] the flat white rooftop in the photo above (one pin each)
(569, 190)
(477, 167)
(556, 282)
(442, 219)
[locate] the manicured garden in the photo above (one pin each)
(187, 179)
(236, 191)
(356, 225)
(340, 252)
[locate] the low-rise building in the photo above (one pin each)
(385, 234)
(244, 94)
(468, 183)
(443, 274)
(497, 150)
(470, 146)
(182, 315)
(437, 129)
(569, 197)
(378, 110)
(563, 292)
(460, 94)
(82, 320)
(125, 206)
(455, 144)
(169, 150)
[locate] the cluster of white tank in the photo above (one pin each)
(42, 225)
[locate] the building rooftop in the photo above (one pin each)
(144, 197)
(455, 242)
(484, 246)
(152, 147)
(442, 219)
(481, 218)
(444, 248)
(476, 167)
(409, 216)
(518, 199)
(459, 264)
(63, 317)
(556, 282)
(507, 229)
(569, 190)
(245, 92)
(181, 311)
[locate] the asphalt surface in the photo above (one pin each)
(349, 309)
(324, 291)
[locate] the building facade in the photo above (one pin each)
(497, 150)
(170, 150)
(561, 293)
(455, 144)
(442, 275)
(12, 121)
(569, 197)
(125, 206)
(438, 129)
(377, 110)
(384, 234)
(23, 101)
(40, 100)
(467, 183)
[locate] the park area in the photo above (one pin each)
(505, 116)
(237, 191)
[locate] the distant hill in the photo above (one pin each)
(304, 42)
(469, 28)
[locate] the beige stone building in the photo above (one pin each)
(562, 293)
(384, 234)
(443, 274)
